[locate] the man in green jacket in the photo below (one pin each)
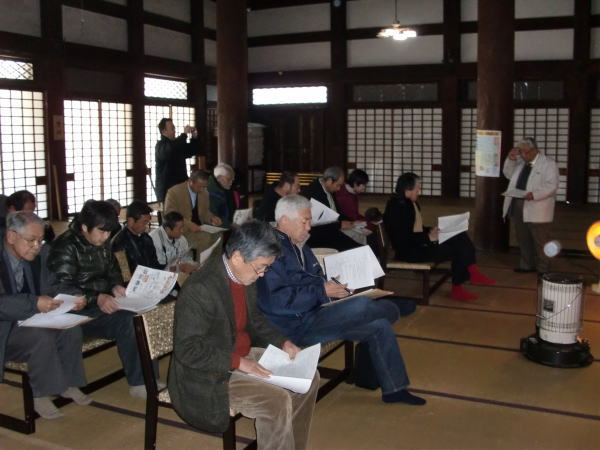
(217, 329)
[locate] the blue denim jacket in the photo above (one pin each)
(289, 295)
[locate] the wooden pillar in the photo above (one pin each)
(232, 83)
(53, 74)
(579, 90)
(334, 153)
(135, 79)
(449, 97)
(197, 85)
(495, 74)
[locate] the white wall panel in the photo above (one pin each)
(468, 10)
(167, 43)
(177, 9)
(468, 47)
(20, 16)
(99, 30)
(543, 45)
(210, 52)
(296, 19)
(543, 8)
(387, 52)
(289, 57)
(595, 43)
(375, 13)
(210, 14)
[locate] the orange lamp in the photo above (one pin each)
(593, 244)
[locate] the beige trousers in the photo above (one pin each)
(200, 240)
(282, 417)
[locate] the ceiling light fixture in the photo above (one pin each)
(396, 31)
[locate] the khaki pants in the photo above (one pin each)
(531, 238)
(282, 417)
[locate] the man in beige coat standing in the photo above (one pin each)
(190, 199)
(536, 175)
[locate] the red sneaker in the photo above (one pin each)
(461, 294)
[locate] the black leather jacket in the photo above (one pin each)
(78, 264)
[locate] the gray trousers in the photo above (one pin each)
(282, 418)
(531, 238)
(53, 358)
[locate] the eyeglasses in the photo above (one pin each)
(264, 270)
(32, 242)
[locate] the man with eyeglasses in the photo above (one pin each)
(535, 175)
(53, 357)
(222, 200)
(190, 199)
(219, 330)
(292, 296)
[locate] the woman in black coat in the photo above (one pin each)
(415, 243)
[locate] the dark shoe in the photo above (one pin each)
(403, 396)
(404, 305)
(521, 270)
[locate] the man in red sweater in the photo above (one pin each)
(218, 329)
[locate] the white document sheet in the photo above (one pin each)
(211, 229)
(293, 374)
(515, 193)
(204, 255)
(68, 302)
(450, 226)
(147, 287)
(321, 214)
(358, 267)
(60, 321)
(241, 216)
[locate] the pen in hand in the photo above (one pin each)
(335, 280)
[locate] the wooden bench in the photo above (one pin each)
(424, 269)
(154, 332)
(91, 346)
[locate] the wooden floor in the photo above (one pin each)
(462, 357)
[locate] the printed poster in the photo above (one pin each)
(487, 153)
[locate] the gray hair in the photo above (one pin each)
(199, 175)
(290, 205)
(333, 173)
(253, 239)
(17, 221)
(222, 170)
(529, 142)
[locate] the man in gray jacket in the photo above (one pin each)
(217, 330)
(53, 357)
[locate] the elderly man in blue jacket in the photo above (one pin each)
(292, 295)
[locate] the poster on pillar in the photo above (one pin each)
(487, 153)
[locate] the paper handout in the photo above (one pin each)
(147, 287)
(515, 193)
(205, 254)
(321, 214)
(450, 226)
(358, 267)
(293, 374)
(371, 293)
(241, 216)
(59, 317)
(211, 229)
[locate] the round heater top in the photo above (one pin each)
(562, 278)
